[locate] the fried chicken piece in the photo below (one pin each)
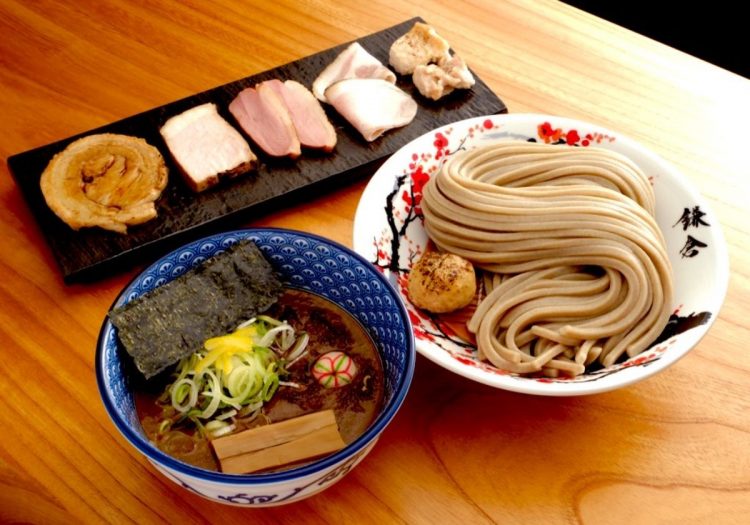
(420, 46)
(437, 80)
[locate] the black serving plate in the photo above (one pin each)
(184, 215)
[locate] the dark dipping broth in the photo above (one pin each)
(330, 328)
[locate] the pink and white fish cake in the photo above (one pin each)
(334, 369)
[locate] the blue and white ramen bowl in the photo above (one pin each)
(304, 261)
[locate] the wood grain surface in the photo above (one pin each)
(674, 449)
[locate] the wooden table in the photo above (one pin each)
(673, 448)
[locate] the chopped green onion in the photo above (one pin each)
(223, 431)
(247, 323)
(184, 388)
(226, 415)
(215, 425)
(164, 425)
(270, 336)
(270, 385)
(249, 409)
(234, 375)
(298, 350)
(269, 320)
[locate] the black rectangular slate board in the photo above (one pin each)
(184, 215)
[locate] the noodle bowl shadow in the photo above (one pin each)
(304, 261)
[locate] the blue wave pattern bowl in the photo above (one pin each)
(304, 261)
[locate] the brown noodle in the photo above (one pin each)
(575, 266)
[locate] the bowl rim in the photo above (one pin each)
(163, 459)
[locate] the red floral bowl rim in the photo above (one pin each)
(420, 158)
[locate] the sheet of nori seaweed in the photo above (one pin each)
(172, 321)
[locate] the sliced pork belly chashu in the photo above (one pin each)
(206, 146)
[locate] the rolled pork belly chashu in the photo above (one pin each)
(262, 113)
(352, 62)
(105, 180)
(311, 123)
(373, 106)
(206, 147)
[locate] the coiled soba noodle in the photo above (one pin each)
(574, 265)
